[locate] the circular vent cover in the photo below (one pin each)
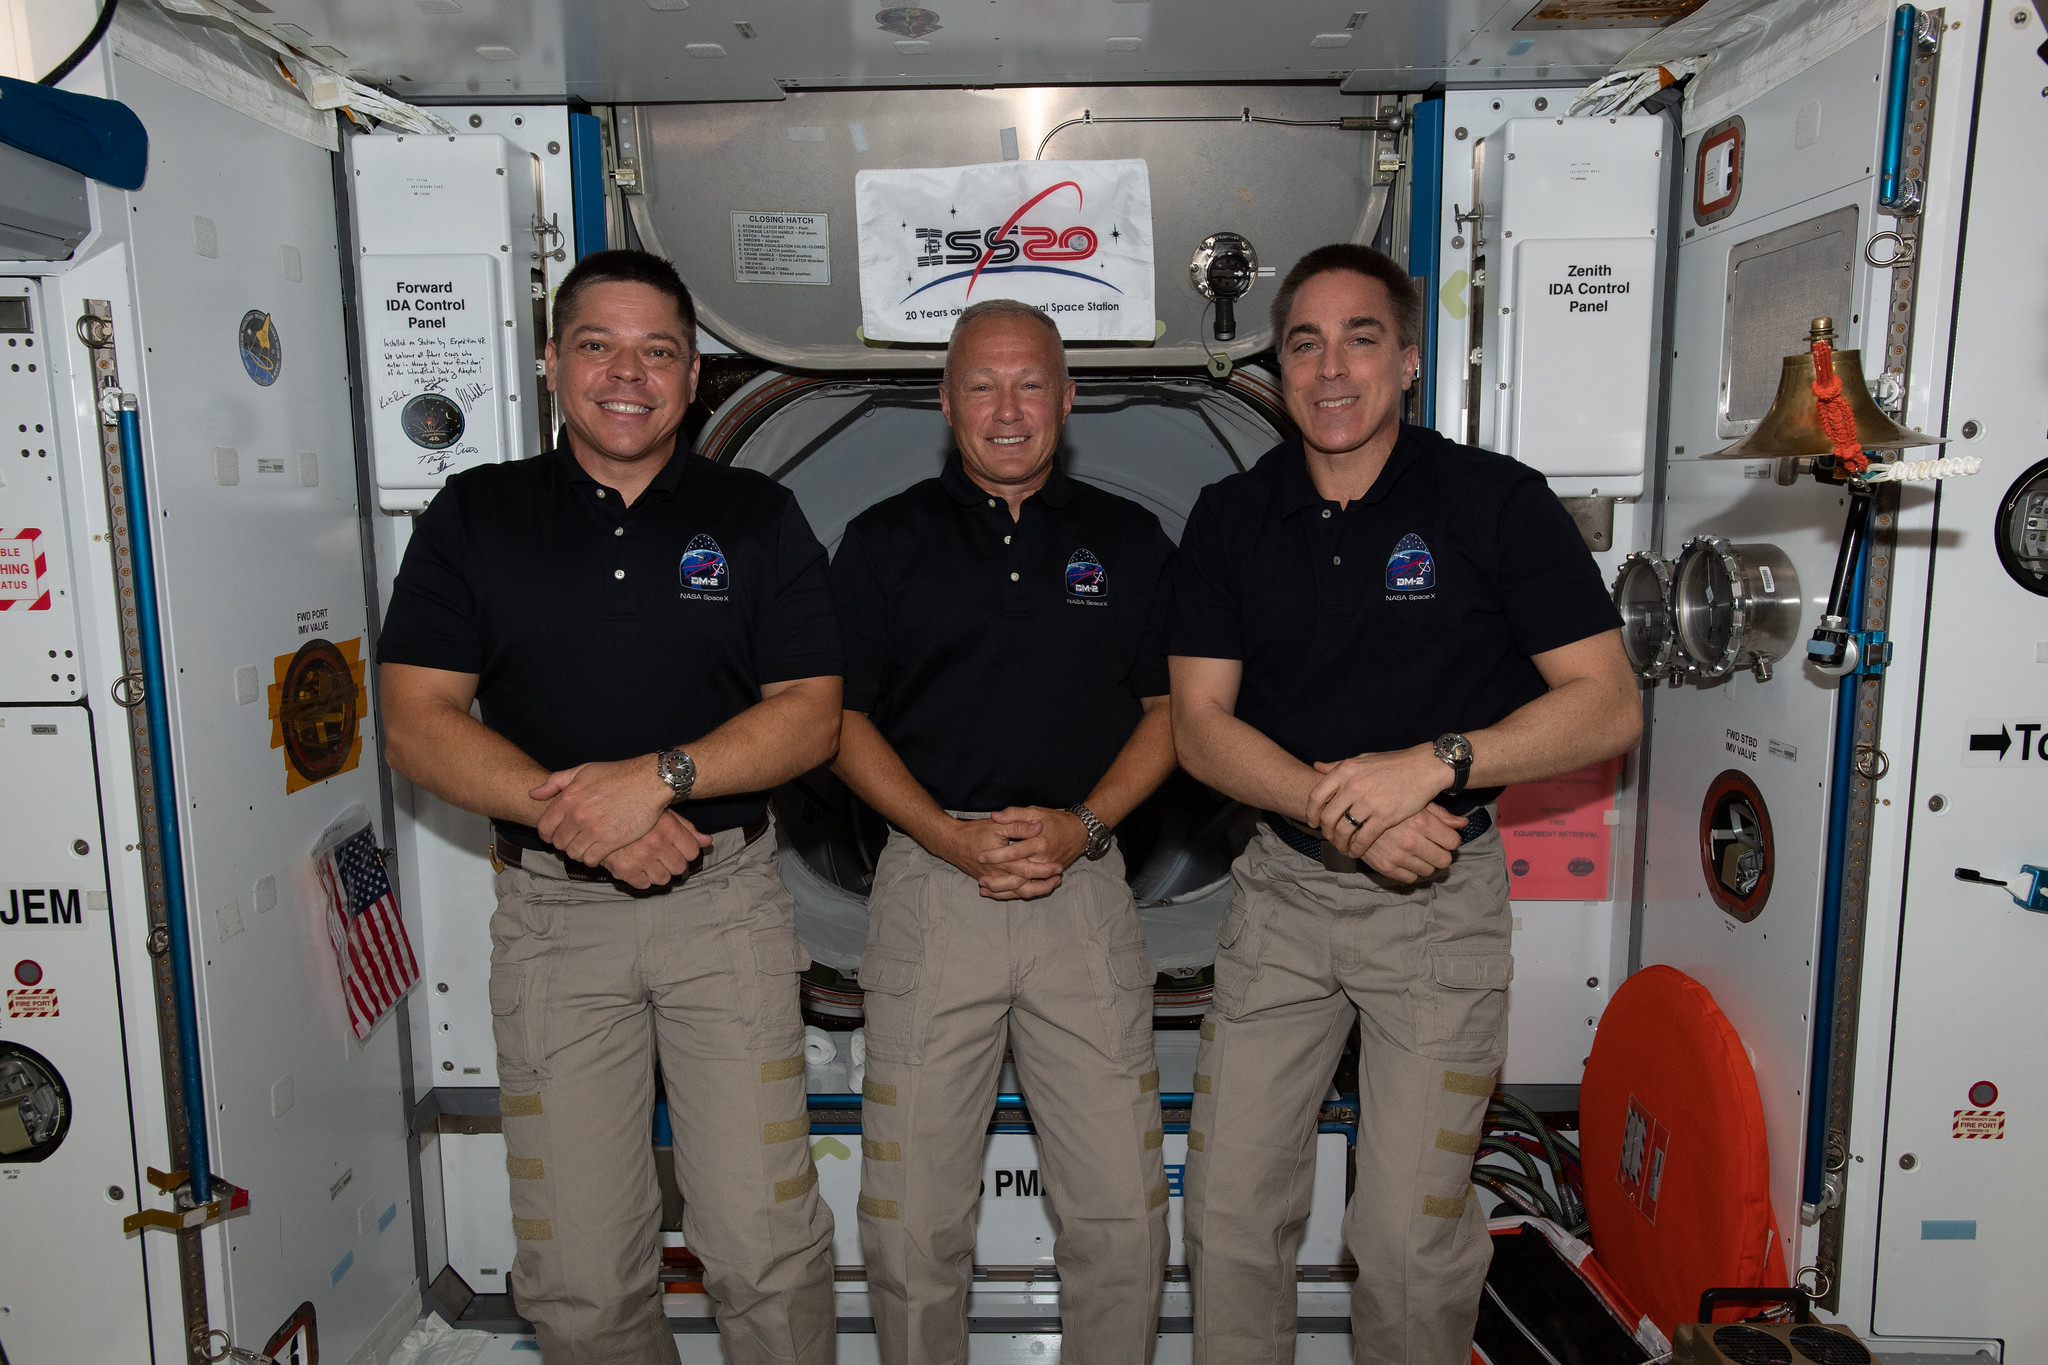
(1826, 1346)
(1747, 1346)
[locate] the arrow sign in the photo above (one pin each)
(1997, 743)
(2007, 742)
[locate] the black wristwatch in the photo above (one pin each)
(1455, 750)
(1098, 833)
(677, 769)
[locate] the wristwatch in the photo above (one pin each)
(677, 769)
(1455, 750)
(1098, 833)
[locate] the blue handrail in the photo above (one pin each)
(1905, 23)
(1841, 777)
(163, 786)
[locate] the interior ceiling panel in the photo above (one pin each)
(633, 51)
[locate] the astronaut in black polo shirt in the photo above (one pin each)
(1005, 708)
(1373, 631)
(649, 637)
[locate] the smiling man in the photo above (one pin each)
(649, 639)
(1005, 709)
(1374, 630)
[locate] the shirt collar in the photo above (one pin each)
(1058, 490)
(1298, 491)
(665, 482)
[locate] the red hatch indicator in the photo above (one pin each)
(30, 973)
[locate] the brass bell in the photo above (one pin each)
(1792, 427)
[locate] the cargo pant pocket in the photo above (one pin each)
(1240, 938)
(517, 1022)
(777, 958)
(889, 979)
(1466, 1006)
(1128, 1010)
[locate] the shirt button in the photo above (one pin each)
(618, 530)
(1326, 514)
(1006, 540)
(1013, 578)
(1336, 559)
(991, 502)
(600, 492)
(618, 573)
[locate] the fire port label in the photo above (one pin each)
(23, 570)
(1979, 1123)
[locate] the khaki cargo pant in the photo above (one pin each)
(588, 986)
(1426, 968)
(951, 980)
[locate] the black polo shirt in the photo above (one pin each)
(599, 631)
(1003, 660)
(1407, 615)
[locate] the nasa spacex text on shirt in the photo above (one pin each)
(1071, 237)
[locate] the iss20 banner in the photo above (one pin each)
(1072, 237)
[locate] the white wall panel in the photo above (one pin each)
(1761, 973)
(252, 569)
(1960, 1216)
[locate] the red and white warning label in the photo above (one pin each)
(37, 1003)
(23, 568)
(1645, 1144)
(1979, 1123)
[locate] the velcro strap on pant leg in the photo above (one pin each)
(1148, 1082)
(1202, 1084)
(1465, 1083)
(787, 1130)
(1436, 1206)
(1464, 1144)
(1208, 1030)
(881, 1151)
(1156, 1198)
(782, 1069)
(1155, 1139)
(874, 1092)
(879, 1208)
(534, 1229)
(1198, 1141)
(525, 1168)
(518, 1106)
(795, 1188)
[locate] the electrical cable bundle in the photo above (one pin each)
(1513, 1130)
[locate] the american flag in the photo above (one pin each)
(370, 943)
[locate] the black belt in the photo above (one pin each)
(1320, 850)
(514, 855)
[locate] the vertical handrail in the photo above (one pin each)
(1905, 25)
(164, 786)
(1841, 777)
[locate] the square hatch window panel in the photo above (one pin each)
(1777, 285)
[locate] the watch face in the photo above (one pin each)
(1454, 749)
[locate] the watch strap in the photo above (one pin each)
(1098, 833)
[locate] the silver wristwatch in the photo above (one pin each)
(677, 769)
(1456, 751)
(1098, 833)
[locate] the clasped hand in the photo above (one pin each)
(616, 816)
(1381, 810)
(1017, 854)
